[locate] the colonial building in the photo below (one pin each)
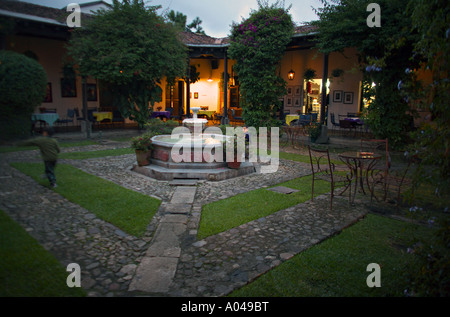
(42, 33)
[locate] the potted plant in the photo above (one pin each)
(142, 145)
(314, 131)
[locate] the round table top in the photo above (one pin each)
(360, 155)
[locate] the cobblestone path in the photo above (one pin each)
(168, 260)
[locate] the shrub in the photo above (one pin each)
(258, 45)
(158, 126)
(22, 88)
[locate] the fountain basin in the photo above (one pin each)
(203, 158)
(201, 155)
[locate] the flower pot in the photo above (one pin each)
(234, 164)
(143, 157)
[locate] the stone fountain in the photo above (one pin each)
(195, 125)
(203, 155)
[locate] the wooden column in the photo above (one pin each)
(188, 89)
(225, 119)
(324, 89)
(85, 107)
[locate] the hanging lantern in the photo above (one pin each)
(291, 74)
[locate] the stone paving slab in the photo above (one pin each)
(283, 190)
(183, 195)
(183, 182)
(157, 269)
(154, 275)
(177, 208)
(175, 218)
(166, 242)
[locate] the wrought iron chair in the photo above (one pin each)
(379, 174)
(69, 118)
(333, 121)
(323, 169)
(389, 178)
(397, 179)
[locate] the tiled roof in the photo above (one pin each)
(305, 29)
(192, 38)
(86, 4)
(187, 37)
(36, 10)
(33, 9)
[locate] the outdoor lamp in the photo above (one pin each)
(291, 74)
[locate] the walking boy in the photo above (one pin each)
(49, 150)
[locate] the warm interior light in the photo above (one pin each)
(210, 79)
(291, 74)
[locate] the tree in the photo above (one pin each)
(384, 54)
(23, 84)
(432, 145)
(178, 19)
(131, 48)
(195, 24)
(257, 45)
(431, 140)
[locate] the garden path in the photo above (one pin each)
(114, 263)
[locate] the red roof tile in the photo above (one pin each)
(304, 29)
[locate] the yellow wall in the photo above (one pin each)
(50, 55)
(208, 92)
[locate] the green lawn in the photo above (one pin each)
(303, 158)
(95, 154)
(26, 268)
(228, 213)
(337, 266)
(7, 149)
(128, 210)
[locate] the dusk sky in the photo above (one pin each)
(217, 16)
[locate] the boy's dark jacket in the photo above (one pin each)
(49, 147)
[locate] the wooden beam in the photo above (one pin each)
(324, 88)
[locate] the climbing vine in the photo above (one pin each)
(258, 44)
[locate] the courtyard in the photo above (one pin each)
(170, 257)
(131, 220)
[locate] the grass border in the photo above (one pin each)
(128, 210)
